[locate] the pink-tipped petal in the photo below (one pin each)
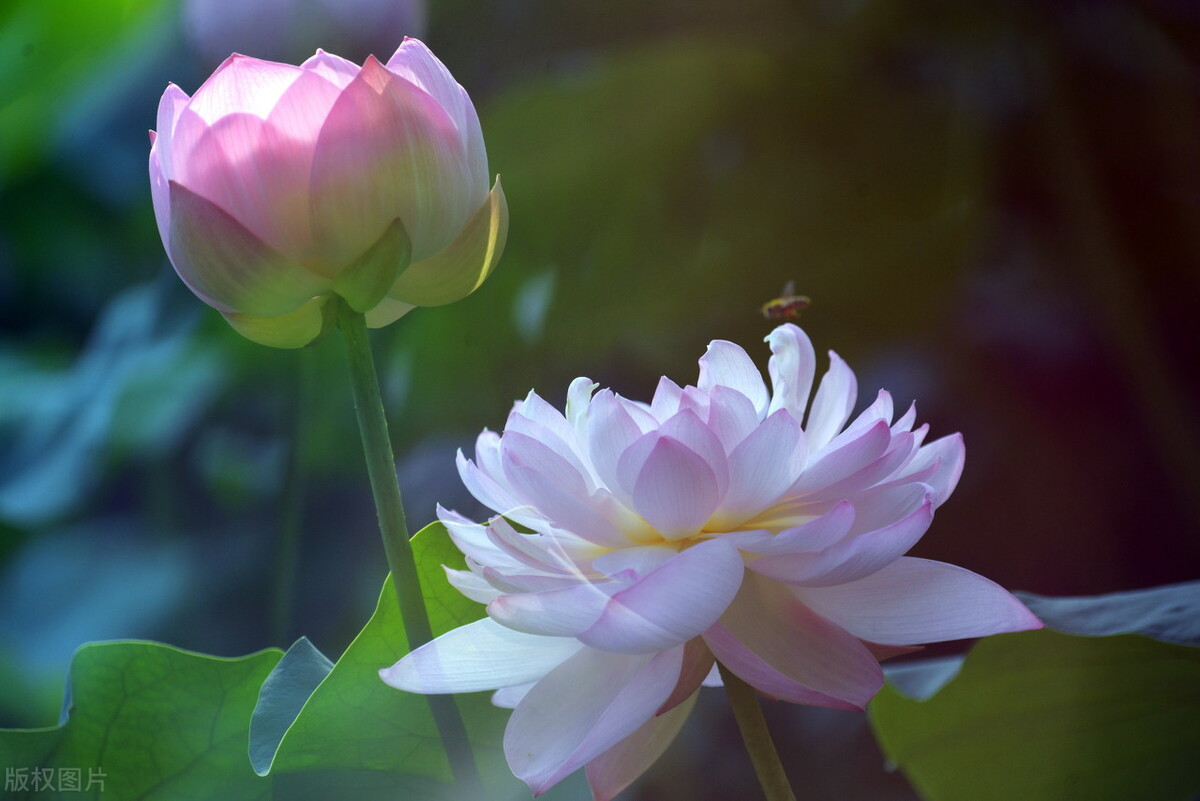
(387, 150)
(478, 656)
(832, 405)
(160, 193)
(686, 428)
(548, 483)
(621, 765)
(538, 420)
(762, 466)
(248, 84)
(880, 409)
(665, 402)
(172, 104)
(731, 416)
(913, 601)
(834, 464)
(672, 604)
(944, 457)
(414, 62)
(611, 430)
(725, 364)
(581, 709)
(792, 367)
(676, 490)
(788, 637)
(335, 69)
(256, 166)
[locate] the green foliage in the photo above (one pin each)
(1168, 614)
(353, 721)
(48, 48)
(162, 723)
(158, 722)
(1043, 716)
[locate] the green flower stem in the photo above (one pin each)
(293, 502)
(381, 467)
(756, 737)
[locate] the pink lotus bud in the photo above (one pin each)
(277, 187)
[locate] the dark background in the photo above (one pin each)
(994, 207)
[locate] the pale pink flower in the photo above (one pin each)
(277, 187)
(708, 524)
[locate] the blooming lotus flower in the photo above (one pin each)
(637, 543)
(277, 187)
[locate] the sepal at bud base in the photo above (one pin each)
(292, 330)
(461, 267)
(366, 281)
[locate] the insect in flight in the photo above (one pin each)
(787, 306)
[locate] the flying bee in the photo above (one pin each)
(787, 306)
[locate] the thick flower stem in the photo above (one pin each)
(756, 737)
(381, 467)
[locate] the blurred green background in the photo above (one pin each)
(995, 207)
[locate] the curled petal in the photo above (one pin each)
(579, 401)
(792, 367)
(913, 601)
(725, 364)
(940, 464)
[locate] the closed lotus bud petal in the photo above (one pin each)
(278, 187)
